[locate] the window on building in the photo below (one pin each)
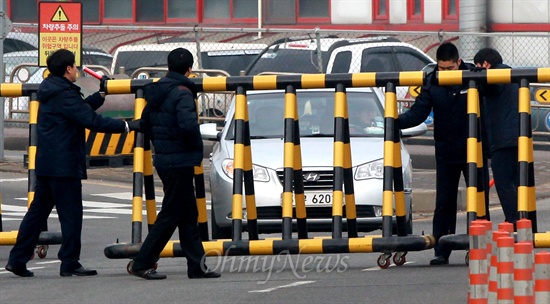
(149, 10)
(450, 10)
(24, 11)
(182, 9)
(90, 10)
(245, 8)
(279, 11)
(415, 9)
(216, 9)
(117, 9)
(313, 8)
(380, 9)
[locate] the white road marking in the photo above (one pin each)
(3, 180)
(30, 268)
(282, 286)
(48, 262)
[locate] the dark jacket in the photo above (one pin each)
(450, 117)
(63, 116)
(500, 113)
(170, 118)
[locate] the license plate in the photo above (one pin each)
(318, 199)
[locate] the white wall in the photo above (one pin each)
(398, 11)
(351, 12)
(432, 11)
(530, 11)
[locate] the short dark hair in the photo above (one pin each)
(490, 55)
(180, 60)
(59, 60)
(447, 52)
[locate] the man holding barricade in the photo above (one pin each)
(63, 116)
(450, 134)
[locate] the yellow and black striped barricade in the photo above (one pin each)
(18, 90)
(243, 163)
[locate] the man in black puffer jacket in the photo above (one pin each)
(502, 119)
(63, 116)
(450, 134)
(170, 119)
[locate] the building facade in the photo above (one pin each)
(408, 15)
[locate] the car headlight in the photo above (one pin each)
(374, 169)
(259, 173)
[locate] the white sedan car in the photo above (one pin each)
(316, 108)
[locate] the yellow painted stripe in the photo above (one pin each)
(214, 84)
(30, 198)
(168, 250)
(251, 207)
(238, 162)
(337, 203)
(411, 78)
(351, 209)
(310, 246)
(213, 248)
(96, 145)
(340, 107)
(287, 204)
(400, 209)
(128, 143)
(388, 153)
(300, 205)
(32, 158)
(523, 198)
(532, 204)
(313, 81)
(138, 107)
(261, 247)
(347, 156)
(137, 209)
(264, 82)
(247, 164)
(113, 142)
(524, 100)
(523, 151)
(298, 157)
(87, 132)
(391, 105)
(201, 205)
(471, 150)
(542, 240)
(481, 204)
(119, 86)
(237, 207)
(450, 77)
(33, 111)
(11, 89)
(387, 202)
(543, 74)
(338, 154)
(473, 101)
(147, 163)
(360, 245)
(151, 207)
(288, 161)
(7, 238)
(363, 79)
(397, 155)
(499, 76)
(290, 106)
(138, 159)
(471, 199)
(479, 154)
(240, 107)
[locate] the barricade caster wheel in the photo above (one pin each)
(467, 258)
(384, 260)
(42, 251)
(399, 258)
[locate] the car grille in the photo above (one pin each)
(312, 212)
(320, 180)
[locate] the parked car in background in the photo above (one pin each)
(316, 108)
(18, 42)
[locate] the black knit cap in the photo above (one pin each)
(180, 60)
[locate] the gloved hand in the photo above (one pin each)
(135, 125)
(103, 84)
(477, 69)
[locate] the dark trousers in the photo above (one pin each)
(66, 195)
(504, 163)
(179, 210)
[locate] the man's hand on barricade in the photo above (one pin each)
(134, 125)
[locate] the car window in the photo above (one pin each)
(288, 61)
(14, 45)
(232, 62)
(97, 59)
(342, 62)
(410, 60)
(377, 60)
(137, 59)
(315, 112)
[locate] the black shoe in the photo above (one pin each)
(148, 274)
(209, 274)
(80, 271)
(439, 260)
(22, 271)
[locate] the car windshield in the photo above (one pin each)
(137, 59)
(288, 61)
(316, 115)
(233, 61)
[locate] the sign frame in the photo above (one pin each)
(60, 29)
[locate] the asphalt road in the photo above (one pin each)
(305, 278)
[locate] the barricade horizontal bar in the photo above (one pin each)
(46, 238)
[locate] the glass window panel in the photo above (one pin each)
(182, 9)
(24, 11)
(313, 8)
(279, 11)
(117, 9)
(417, 7)
(216, 9)
(245, 8)
(382, 7)
(90, 10)
(149, 10)
(452, 7)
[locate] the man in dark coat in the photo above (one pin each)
(450, 134)
(63, 116)
(500, 104)
(170, 119)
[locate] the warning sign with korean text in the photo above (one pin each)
(60, 27)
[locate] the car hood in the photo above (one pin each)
(316, 152)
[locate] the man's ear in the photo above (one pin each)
(459, 61)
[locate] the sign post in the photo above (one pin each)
(60, 27)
